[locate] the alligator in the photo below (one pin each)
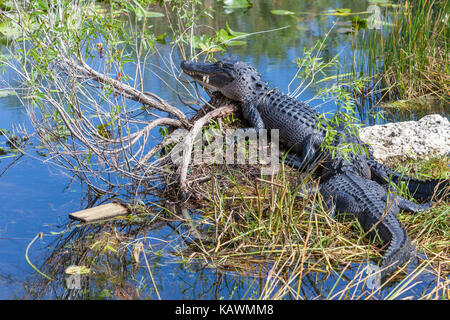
(376, 211)
(268, 108)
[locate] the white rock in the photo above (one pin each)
(430, 136)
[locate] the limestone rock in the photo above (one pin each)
(430, 136)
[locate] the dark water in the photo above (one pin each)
(37, 197)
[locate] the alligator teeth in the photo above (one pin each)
(205, 79)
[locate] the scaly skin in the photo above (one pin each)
(370, 204)
(267, 108)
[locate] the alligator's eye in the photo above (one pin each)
(219, 64)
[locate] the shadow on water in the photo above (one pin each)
(150, 255)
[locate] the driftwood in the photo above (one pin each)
(102, 212)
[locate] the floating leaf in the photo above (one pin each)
(227, 36)
(339, 12)
(235, 43)
(345, 10)
(282, 12)
(236, 4)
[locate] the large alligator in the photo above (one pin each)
(376, 211)
(268, 108)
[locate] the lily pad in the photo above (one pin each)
(340, 12)
(235, 33)
(282, 12)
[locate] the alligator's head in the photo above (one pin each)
(234, 79)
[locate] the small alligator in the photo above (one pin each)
(268, 108)
(376, 211)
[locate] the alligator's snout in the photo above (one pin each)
(213, 76)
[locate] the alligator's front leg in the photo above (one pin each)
(252, 114)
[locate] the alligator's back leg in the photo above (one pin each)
(407, 205)
(340, 202)
(292, 159)
(421, 190)
(295, 161)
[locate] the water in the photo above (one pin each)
(36, 197)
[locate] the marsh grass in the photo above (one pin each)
(408, 59)
(274, 228)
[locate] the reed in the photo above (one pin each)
(409, 58)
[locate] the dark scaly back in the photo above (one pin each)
(369, 208)
(247, 84)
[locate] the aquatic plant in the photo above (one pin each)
(409, 58)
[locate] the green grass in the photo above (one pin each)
(409, 59)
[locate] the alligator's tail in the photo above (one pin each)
(399, 249)
(422, 190)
